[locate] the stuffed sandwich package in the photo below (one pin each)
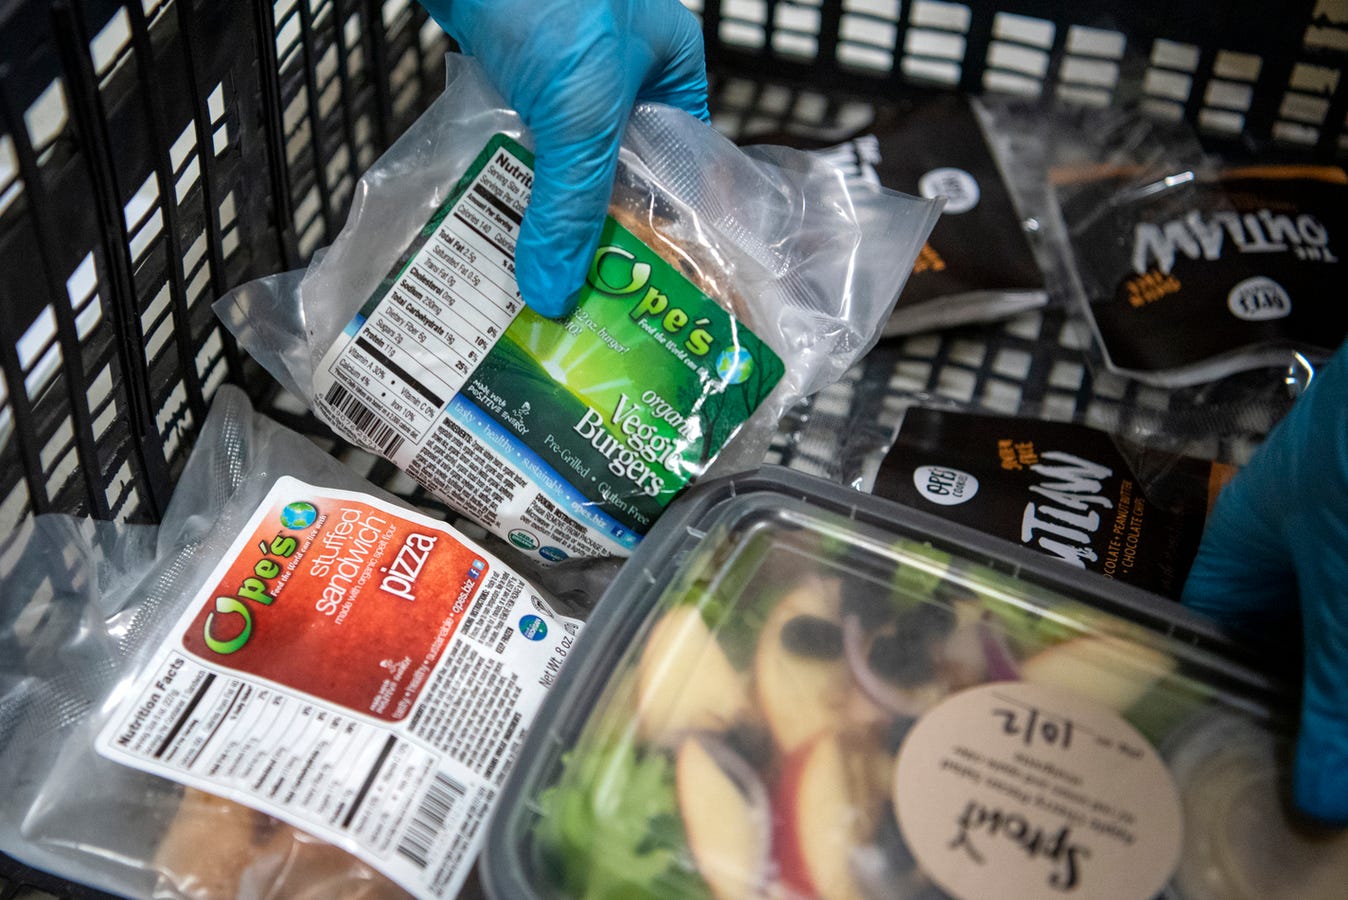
(727, 284)
(294, 687)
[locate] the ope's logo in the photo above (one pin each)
(944, 486)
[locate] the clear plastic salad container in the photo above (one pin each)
(794, 690)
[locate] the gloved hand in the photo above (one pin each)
(573, 69)
(1280, 531)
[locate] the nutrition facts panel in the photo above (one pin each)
(330, 768)
(448, 306)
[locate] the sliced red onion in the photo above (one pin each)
(1001, 664)
(750, 783)
(856, 647)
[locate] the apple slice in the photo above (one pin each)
(800, 695)
(727, 833)
(684, 681)
(818, 821)
(1112, 671)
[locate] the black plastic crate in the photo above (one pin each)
(153, 154)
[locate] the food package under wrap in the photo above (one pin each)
(727, 284)
(294, 687)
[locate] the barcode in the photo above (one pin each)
(435, 808)
(364, 421)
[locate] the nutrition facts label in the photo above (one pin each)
(448, 306)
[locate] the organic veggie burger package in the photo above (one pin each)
(726, 285)
(293, 688)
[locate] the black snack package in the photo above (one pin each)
(1188, 278)
(1063, 489)
(978, 265)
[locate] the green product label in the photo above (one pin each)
(635, 392)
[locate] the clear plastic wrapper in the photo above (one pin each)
(1189, 269)
(747, 279)
(243, 701)
(991, 173)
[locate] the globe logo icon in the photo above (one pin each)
(734, 366)
(298, 515)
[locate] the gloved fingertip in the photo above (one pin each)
(1320, 785)
(549, 289)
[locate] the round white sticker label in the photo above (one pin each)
(944, 486)
(958, 187)
(1019, 791)
(1258, 299)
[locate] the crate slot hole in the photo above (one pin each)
(1099, 42)
(186, 180)
(109, 43)
(393, 9)
(326, 69)
(862, 56)
(1228, 95)
(1314, 79)
(741, 34)
(201, 279)
(10, 185)
(1093, 72)
(1303, 108)
(59, 444)
(791, 43)
(1174, 55)
(1223, 121)
(1084, 96)
(1011, 83)
(1024, 30)
(215, 103)
(48, 115)
(934, 44)
(1330, 37)
(748, 10)
(1169, 110)
(36, 338)
(1018, 58)
(801, 15)
(1236, 66)
(883, 9)
(1167, 84)
(865, 30)
(287, 39)
(938, 14)
(43, 370)
(935, 70)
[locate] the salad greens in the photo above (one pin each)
(611, 825)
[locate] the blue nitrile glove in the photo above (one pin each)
(1280, 531)
(573, 69)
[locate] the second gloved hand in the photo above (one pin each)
(1277, 544)
(573, 69)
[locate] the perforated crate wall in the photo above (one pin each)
(1258, 72)
(153, 155)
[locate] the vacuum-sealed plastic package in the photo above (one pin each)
(1064, 489)
(991, 176)
(726, 285)
(1189, 270)
(297, 687)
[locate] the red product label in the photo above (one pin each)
(342, 600)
